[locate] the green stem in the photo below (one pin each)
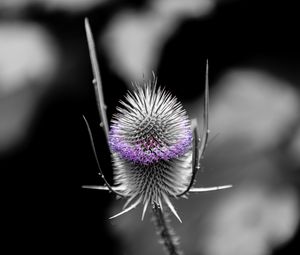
(164, 230)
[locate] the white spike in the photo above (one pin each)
(195, 190)
(127, 210)
(160, 204)
(168, 202)
(128, 201)
(101, 187)
(145, 208)
(95, 187)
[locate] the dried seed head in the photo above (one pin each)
(151, 140)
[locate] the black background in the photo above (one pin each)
(45, 208)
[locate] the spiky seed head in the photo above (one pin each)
(150, 127)
(151, 140)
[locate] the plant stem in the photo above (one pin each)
(165, 231)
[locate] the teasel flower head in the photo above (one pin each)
(151, 141)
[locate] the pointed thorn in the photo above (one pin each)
(95, 187)
(144, 209)
(128, 202)
(168, 202)
(206, 74)
(160, 204)
(126, 210)
(195, 190)
(103, 187)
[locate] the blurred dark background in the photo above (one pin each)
(45, 153)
